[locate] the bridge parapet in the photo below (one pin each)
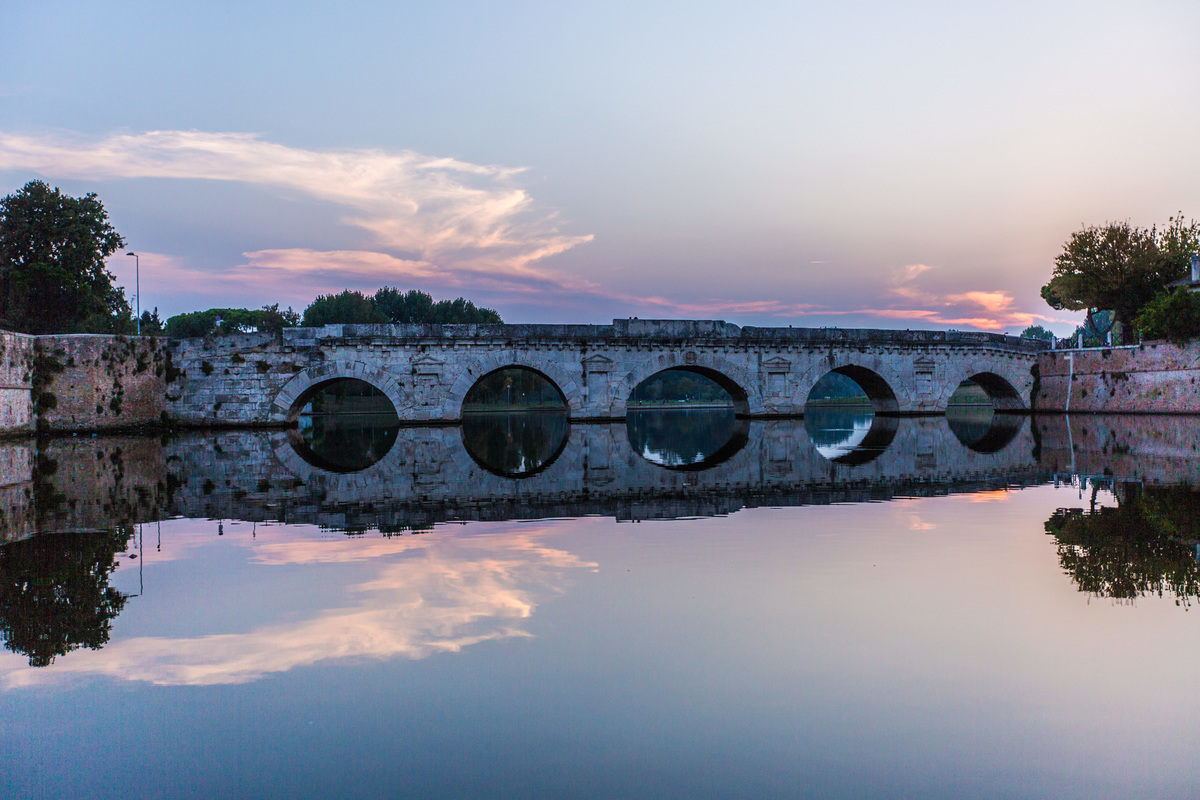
(660, 330)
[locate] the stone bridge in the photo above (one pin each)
(427, 370)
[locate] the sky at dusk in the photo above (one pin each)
(854, 164)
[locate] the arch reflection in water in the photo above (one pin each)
(981, 429)
(686, 439)
(515, 444)
(840, 416)
(345, 425)
(514, 422)
(849, 436)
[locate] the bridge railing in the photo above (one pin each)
(665, 331)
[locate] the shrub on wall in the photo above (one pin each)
(1173, 315)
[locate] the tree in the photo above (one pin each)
(404, 307)
(1120, 267)
(417, 306)
(151, 325)
(349, 307)
(52, 274)
(224, 321)
(1173, 315)
(1037, 332)
(394, 306)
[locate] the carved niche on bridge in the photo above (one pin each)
(597, 374)
(775, 377)
(925, 372)
(427, 374)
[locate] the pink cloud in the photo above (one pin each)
(446, 225)
(409, 202)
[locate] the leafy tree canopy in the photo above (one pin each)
(224, 321)
(347, 308)
(417, 306)
(152, 324)
(52, 273)
(394, 306)
(1173, 315)
(1120, 267)
(1037, 332)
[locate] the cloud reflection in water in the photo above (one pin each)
(408, 597)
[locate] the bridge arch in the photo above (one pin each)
(285, 408)
(877, 389)
(737, 381)
(1006, 383)
(737, 395)
(479, 368)
(550, 382)
(1004, 395)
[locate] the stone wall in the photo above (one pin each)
(1153, 378)
(89, 382)
(17, 359)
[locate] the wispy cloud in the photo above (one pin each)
(911, 272)
(442, 224)
(409, 202)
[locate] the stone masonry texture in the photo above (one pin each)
(427, 370)
(1156, 377)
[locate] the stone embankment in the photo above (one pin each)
(1152, 378)
(81, 382)
(17, 368)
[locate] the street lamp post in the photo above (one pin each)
(137, 288)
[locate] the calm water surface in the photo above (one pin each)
(685, 604)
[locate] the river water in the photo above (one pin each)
(684, 604)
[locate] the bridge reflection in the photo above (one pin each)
(520, 444)
(657, 464)
(429, 474)
(498, 467)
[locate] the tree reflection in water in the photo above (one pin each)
(54, 592)
(695, 438)
(1144, 546)
(515, 444)
(848, 435)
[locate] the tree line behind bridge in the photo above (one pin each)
(387, 305)
(1131, 282)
